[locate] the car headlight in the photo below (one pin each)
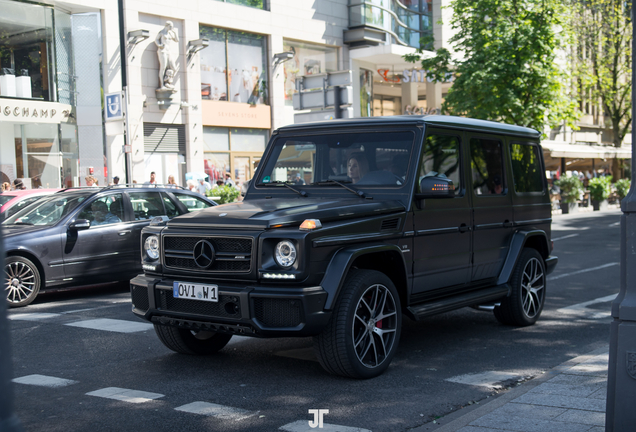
(285, 253)
(151, 246)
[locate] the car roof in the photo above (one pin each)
(18, 195)
(92, 190)
(431, 120)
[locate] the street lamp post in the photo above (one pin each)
(621, 380)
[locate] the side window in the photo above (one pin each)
(526, 168)
(192, 203)
(441, 156)
(104, 211)
(171, 208)
(146, 205)
(487, 166)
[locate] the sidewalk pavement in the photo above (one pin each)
(569, 398)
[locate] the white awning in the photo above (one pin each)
(562, 149)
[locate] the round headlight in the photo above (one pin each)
(151, 246)
(285, 253)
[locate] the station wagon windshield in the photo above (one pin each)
(367, 159)
(47, 212)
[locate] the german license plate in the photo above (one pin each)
(191, 291)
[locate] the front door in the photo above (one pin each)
(492, 203)
(96, 253)
(441, 226)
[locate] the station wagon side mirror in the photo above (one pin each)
(436, 187)
(80, 224)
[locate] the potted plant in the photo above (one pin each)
(226, 194)
(622, 187)
(571, 188)
(600, 191)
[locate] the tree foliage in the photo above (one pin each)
(603, 59)
(508, 70)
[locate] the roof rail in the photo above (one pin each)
(128, 185)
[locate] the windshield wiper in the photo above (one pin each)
(358, 192)
(21, 223)
(298, 191)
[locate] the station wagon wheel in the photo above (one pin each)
(362, 335)
(193, 342)
(528, 282)
(22, 281)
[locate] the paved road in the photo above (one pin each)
(84, 362)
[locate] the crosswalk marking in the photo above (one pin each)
(125, 395)
(43, 380)
(215, 410)
(551, 278)
(31, 316)
(107, 324)
(564, 237)
(303, 426)
(485, 379)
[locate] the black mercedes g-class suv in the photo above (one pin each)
(347, 226)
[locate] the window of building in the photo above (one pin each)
(441, 157)
(386, 105)
(366, 93)
(233, 66)
(526, 168)
(487, 166)
(233, 151)
(309, 59)
(257, 4)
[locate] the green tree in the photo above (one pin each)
(603, 61)
(507, 68)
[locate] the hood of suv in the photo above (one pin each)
(267, 213)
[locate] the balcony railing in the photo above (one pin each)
(405, 24)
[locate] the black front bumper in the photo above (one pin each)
(261, 311)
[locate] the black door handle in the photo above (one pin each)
(464, 228)
(507, 223)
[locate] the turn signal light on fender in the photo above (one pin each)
(310, 224)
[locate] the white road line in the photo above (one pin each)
(485, 379)
(125, 395)
(582, 271)
(215, 410)
(107, 324)
(44, 381)
(564, 237)
(32, 316)
(581, 308)
(303, 426)
(615, 224)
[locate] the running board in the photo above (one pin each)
(438, 306)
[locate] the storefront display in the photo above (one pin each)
(233, 66)
(309, 59)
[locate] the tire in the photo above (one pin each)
(528, 281)
(23, 281)
(191, 342)
(355, 343)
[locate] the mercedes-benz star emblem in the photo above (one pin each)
(203, 254)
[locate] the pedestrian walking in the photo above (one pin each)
(228, 180)
(203, 187)
(171, 182)
(152, 181)
(18, 185)
(90, 181)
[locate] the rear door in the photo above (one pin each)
(492, 205)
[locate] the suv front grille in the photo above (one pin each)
(231, 254)
(273, 312)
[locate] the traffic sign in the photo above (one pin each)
(114, 106)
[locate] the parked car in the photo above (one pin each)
(84, 236)
(404, 215)
(14, 201)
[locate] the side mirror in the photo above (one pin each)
(436, 187)
(80, 224)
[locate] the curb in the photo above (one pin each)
(462, 418)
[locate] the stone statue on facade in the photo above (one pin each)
(167, 50)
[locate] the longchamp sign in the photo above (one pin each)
(28, 111)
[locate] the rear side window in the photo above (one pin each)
(486, 164)
(441, 158)
(192, 203)
(146, 205)
(526, 168)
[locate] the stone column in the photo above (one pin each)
(621, 380)
(409, 95)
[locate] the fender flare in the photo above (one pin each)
(340, 264)
(518, 242)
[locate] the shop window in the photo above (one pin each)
(233, 66)
(308, 59)
(257, 4)
(26, 34)
(366, 93)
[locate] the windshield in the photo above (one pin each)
(5, 199)
(45, 212)
(372, 159)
